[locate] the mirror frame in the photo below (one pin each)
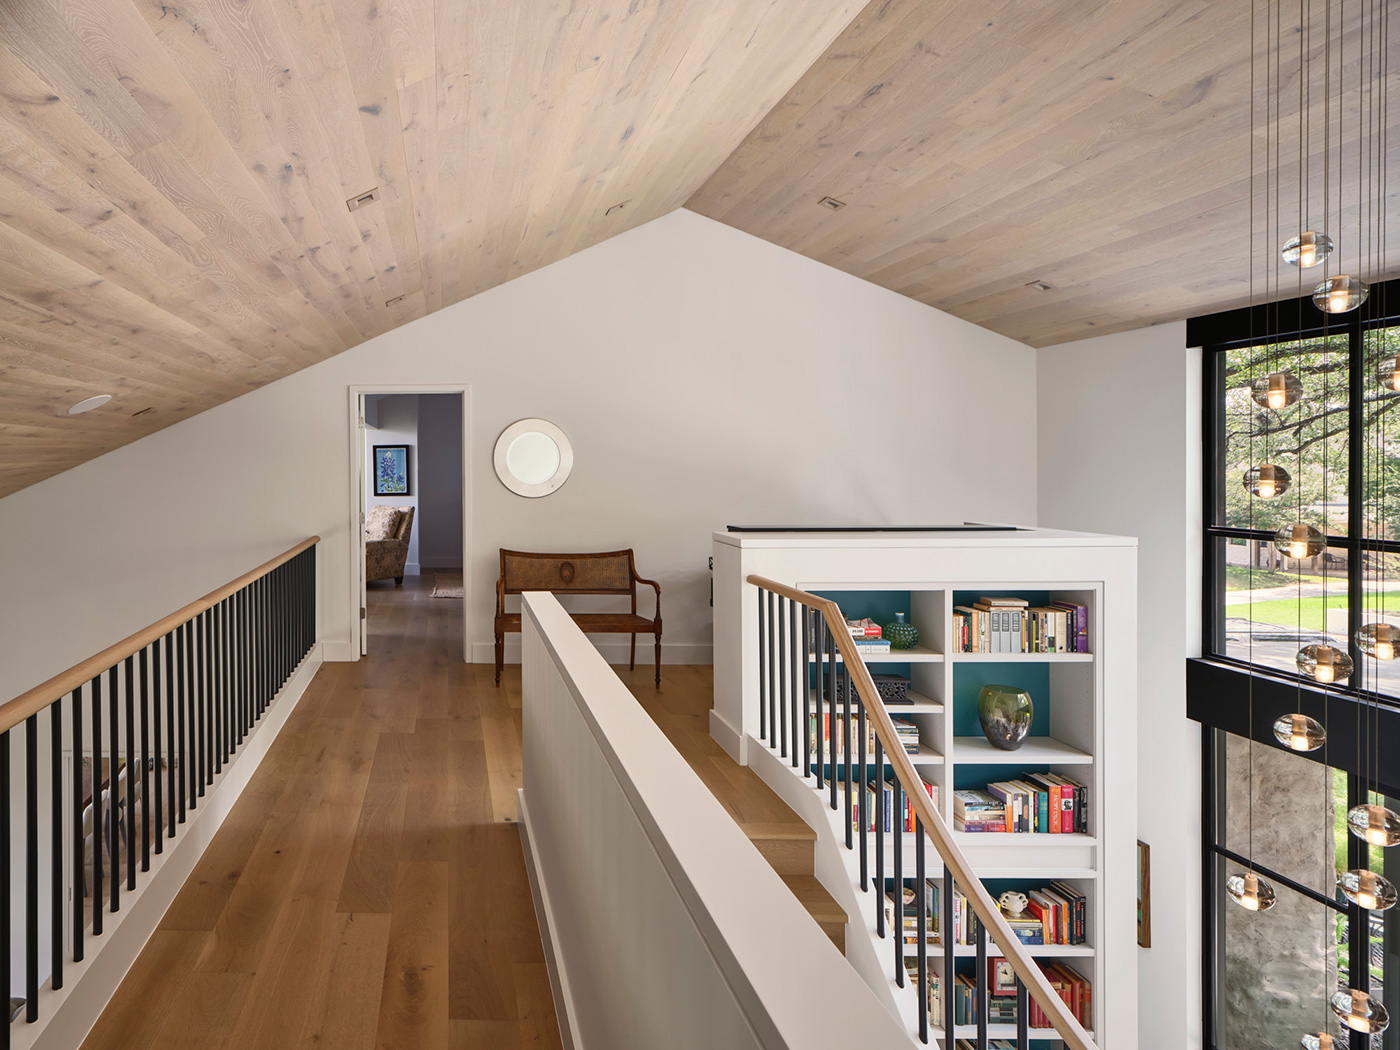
(543, 488)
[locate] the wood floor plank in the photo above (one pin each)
(413, 1007)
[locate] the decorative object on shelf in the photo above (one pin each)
(1267, 480)
(1324, 663)
(1379, 640)
(1005, 712)
(1340, 294)
(893, 688)
(1374, 824)
(533, 457)
(391, 477)
(1250, 891)
(1299, 541)
(1307, 249)
(1366, 889)
(1144, 895)
(1359, 1012)
(1299, 732)
(1276, 390)
(1013, 904)
(901, 635)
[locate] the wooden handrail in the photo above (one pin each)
(986, 910)
(41, 696)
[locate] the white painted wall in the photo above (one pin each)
(440, 481)
(1119, 451)
(704, 377)
(395, 422)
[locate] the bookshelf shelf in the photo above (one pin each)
(1080, 729)
(1005, 1031)
(1036, 751)
(1039, 951)
(926, 756)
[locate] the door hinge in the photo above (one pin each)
(362, 612)
(362, 422)
(362, 519)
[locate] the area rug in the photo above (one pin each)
(447, 584)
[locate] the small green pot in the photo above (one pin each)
(899, 634)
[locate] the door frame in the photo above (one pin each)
(355, 570)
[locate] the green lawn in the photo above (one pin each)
(1240, 578)
(1307, 613)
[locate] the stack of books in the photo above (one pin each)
(864, 628)
(1061, 911)
(1071, 986)
(876, 795)
(832, 730)
(1011, 625)
(908, 734)
(964, 924)
(1038, 803)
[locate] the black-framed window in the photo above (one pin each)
(1340, 443)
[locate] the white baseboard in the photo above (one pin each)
(613, 652)
(339, 652)
(544, 917)
(734, 742)
(66, 1016)
(410, 568)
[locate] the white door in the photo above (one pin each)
(360, 532)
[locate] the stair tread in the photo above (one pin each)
(797, 831)
(814, 897)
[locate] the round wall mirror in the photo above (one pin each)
(533, 457)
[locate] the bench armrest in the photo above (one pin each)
(500, 596)
(650, 583)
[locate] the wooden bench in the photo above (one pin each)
(608, 572)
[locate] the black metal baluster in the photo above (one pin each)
(171, 762)
(31, 872)
(781, 695)
(897, 808)
(945, 937)
(162, 756)
(114, 822)
(215, 711)
(129, 664)
(99, 831)
(798, 682)
(201, 744)
(921, 920)
(862, 806)
(245, 706)
(822, 729)
(6, 913)
(762, 672)
(146, 759)
(79, 875)
(233, 732)
(56, 844)
(847, 817)
(183, 781)
(981, 985)
(831, 714)
(808, 650)
(265, 611)
(880, 815)
(772, 691)
(1023, 1012)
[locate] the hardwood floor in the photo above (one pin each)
(368, 890)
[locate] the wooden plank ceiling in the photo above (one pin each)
(174, 176)
(1101, 147)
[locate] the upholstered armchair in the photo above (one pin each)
(387, 530)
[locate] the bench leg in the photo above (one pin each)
(658, 661)
(500, 656)
(632, 663)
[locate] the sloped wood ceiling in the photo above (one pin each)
(1101, 147)
(174, 176)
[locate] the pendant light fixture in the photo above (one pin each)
(1299, 732)
(1324, 663)
(1379, 640)
(1267, 481)
(1388, 373)
(1366, 889)
(1299, 541)
(1277, 390)
(1251, 891)
(1340, 294)
(1359, 1012)
(1307, 249)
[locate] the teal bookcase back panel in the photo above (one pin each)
(968, 680)
(880, 606)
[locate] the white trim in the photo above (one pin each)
(544, 916)
(613, 652)
(357, 391)
(344, 651)
(735, 743)
(67, 1016)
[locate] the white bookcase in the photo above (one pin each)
(1084, 727)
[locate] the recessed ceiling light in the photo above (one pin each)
(89, 404)
(832, 203)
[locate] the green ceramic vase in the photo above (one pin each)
(1005, 712)
(899, 634)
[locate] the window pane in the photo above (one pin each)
(1381, 478)
(1385, 939)
(1273, 606)
(1280, 967)
(1308, 438)
(1283, 824)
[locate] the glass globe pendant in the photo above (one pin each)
(1250, 891)
(1340, 294)
(1307, 249)
(1381, 640)
(1324, 663)
(1299, 541)
(1276, 390)
(1318, 1041)
(1359, 1012)
(1267, 481)
(1374, 824)
(1300, 733)
(1388, 373)
(1368, 890)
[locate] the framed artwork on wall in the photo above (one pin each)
(391, 470)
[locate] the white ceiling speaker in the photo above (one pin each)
(89, 404)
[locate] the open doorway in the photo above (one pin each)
(411, 483)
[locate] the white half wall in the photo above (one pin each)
(705, 377)
(1119, 451)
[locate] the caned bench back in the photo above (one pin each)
(609, 572)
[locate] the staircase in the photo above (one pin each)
(785, 841)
